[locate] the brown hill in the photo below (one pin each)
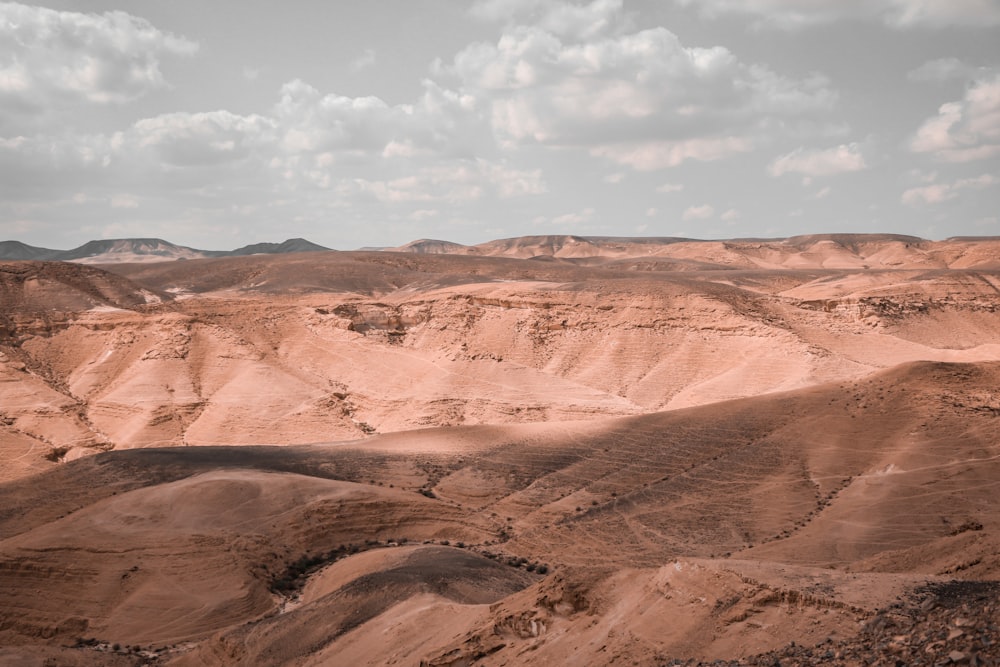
(829, 251)
(690, 533)
(33, 288)
(353, 343)
(40, 420)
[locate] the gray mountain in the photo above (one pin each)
(290, 245)
(18, 250)
(111, 251)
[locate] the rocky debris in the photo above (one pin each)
(950, 623)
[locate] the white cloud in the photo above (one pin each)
(51, 60)
(577, 218)
(503, 10)
(900, 14)
(53, 165)
(363, 61)
(124, 201)
(337, 150)
(942, 192)
(192, 139)
(511, 183)
(941, 69)
(424, 214)
(560, 18)
(459, 182)
(441, 122)
(698, 212)
(574, 86)
(655, 155)
(941, 13)
(966, 130)
(811, 163)
(641, 99)
(581, 21)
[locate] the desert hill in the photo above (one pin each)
(546, 450)
(354, 343)
(825, 500)
(832, 251)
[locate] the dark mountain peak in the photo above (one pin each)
(286, 246)
(17, 250)
(110, 251)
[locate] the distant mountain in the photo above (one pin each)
(433, 247)
(291, 245)
(828, 251)
(643, 253)
(556, 245)
(142, 250)
(18, 250)
(852, 241)
(107, 251)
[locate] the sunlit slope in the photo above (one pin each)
(897, 472)
(310, 347)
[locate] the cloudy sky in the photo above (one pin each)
(217, 124)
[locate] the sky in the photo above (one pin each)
(372, 124)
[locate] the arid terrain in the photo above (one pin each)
(534, 451)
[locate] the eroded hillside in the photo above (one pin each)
(319, 347)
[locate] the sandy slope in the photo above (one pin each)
(685, 533)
